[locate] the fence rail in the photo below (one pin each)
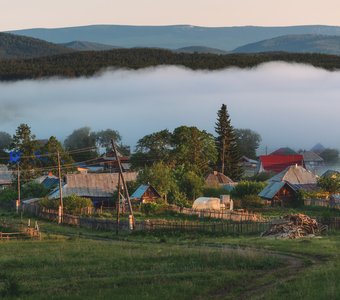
(322, 202)
(237, 216)
(227, 226)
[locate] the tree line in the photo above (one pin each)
(81, 64)
(175, 162)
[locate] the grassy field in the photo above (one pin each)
(75, 263)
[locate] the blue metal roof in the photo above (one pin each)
(272, 189)
(140, 191)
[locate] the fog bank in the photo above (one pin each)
(289, 105)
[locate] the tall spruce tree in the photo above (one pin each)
(226, 143)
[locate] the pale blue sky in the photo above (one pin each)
(17, 14)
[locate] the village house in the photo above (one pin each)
(249, 166)
(283, 187)
(218, 180)
(97, 187)
(312, 160)
(145, 193)
(275, 163)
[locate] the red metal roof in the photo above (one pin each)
(277, 163)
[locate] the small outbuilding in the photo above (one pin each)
(146, 193)
(217, 179)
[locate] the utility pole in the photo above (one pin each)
(61, 208)
(17, 204)
(118, 206)
(126, 192)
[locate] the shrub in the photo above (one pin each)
(252, 201)
(72, 204)
(33, 190)
(8, 195)
(151, 208)
(214, 192)
(246, 188)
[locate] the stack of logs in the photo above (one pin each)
(295, 226)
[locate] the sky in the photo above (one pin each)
(287, 104)
(20, 14)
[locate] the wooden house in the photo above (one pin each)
(97, 187)
(283, 187)
(145, 193)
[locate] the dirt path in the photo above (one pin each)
(256, 289)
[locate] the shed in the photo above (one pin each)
(312, 160)
(145, 193)
(279, 192)
(205, 203)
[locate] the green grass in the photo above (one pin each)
(77, 263)
(71, 268)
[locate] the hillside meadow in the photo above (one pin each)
(76, 263)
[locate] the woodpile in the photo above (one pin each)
(294, 226)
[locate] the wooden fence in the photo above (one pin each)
(228, 226)
(237, 215)
(322, 202)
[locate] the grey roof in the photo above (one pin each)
(310, 156)
(272, 189)
(92, 185)
(50, 182)
(296, 175)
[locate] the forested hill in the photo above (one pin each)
(21, 47)
(88, 63)
(300, 43)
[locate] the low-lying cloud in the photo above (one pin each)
(288, 104)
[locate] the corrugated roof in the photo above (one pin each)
(272, 189)
(217, 178)
(92, 185)
(50, 182)
(141, 190)
(310, 156)
(277, 163)
(296, 175)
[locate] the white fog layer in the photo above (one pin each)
(288, 104)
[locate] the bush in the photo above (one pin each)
(214, 192)
(252, 201)
(72, 204)
(151, 208)
(246, 188)
(33, 190)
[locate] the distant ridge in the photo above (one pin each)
(172, 37)
(21, 47)
(87, 46)
(201, 49)
(299, 43)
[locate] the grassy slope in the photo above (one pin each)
(100, 266)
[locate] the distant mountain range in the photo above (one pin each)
(302, 43)
(87, 46)
(14, 47)
(172, 37)
(32, 43)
